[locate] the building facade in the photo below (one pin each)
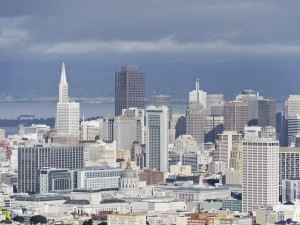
(129, 89)
(67, 114)
(260, 173)
(235, 116)
(157, 138)
(32, 159)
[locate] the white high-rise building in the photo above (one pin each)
(157, 137)
(67, 115)
(129, 127)
(260, 173)
(290, 120)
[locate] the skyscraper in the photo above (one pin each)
(129, 89)
(67, 114)
(198, 95)
(250, 97)
(195, 121)
(235, 116)
(195, 114)
(260, 173)
(290, 120)
(266, 113)
(157, 138)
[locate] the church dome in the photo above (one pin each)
(129, 172)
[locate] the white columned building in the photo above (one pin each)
(157, 138)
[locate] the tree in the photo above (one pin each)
(88, 222)
(102, 223)
(20, 219)
(38, 219)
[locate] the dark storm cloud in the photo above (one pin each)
(170, 29)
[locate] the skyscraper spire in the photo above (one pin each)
(63, 86)
(63, 78)
(197, 84)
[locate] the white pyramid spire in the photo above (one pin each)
(63, 78)
(63, 86)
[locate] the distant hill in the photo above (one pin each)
(274, 79)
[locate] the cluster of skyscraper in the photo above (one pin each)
(236, 138)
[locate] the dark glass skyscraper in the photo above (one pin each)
(129, 89)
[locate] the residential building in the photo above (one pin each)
(289, 164)
(290, 189)
(126, 219)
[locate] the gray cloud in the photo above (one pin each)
(55, 29)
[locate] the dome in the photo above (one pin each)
(129, 172)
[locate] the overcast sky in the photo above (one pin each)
(156, 30)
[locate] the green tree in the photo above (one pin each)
(102, 223)
(38, 219)
(20, 219)
(88, 222)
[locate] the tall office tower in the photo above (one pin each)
(198, 95)
(234, 173)
(108, 128)
(129, 127)
(157, 138)
(260, 173)
(266, 113)
(213, 127)
(67, 115)
(224, 145)
(290, 119)
(235, 116)
(214, 102)
(195, 114)
(289, 164)
(129, 89)
(195, 121)
(179, 124)
(250, 97)
(32, 159)
(158, 100)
